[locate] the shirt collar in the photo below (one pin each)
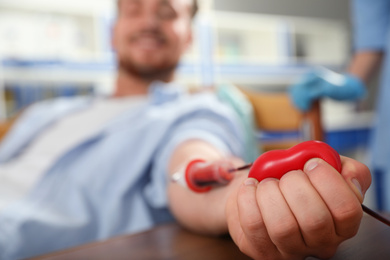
(161, 92)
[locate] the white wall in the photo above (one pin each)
(334, 9)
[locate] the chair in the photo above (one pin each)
(280, 124)
(5, 126)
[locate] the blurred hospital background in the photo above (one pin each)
(62, 48)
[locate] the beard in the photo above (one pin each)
(163, 72)
(148, 71)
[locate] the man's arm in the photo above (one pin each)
(304, 213)
(370, 20)
(365, 64)
(201, 212)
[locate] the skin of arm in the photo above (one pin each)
(186, 204)
(365, 64)
(305, 213)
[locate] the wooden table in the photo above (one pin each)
(173, 242)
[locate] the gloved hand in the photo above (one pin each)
(325, 83)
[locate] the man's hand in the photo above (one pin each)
(305, 213)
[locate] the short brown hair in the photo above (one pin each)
(194, 8)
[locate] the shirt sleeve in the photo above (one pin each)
(370, 21)
(218, 126)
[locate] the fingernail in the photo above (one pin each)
(250, 182)
(358, 186)
(311, 164)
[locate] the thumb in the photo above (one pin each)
(357, 175)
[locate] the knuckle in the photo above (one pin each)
(347, 220)
(253, 225)
(319, 230)
(348, 212)
(316, 223)
(283, 231)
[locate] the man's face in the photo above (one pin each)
(151, 35)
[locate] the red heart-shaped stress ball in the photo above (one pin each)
(275, 163)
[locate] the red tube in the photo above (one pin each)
(201, 176)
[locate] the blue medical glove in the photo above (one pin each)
(324, 83)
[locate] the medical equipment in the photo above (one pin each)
(201, 176)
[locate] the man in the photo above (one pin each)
(108, 172)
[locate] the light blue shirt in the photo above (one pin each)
(372, 32)
(115, 181)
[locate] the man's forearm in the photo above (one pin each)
(365, 64)
(200, 212)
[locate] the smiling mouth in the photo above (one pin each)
(148, 41)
